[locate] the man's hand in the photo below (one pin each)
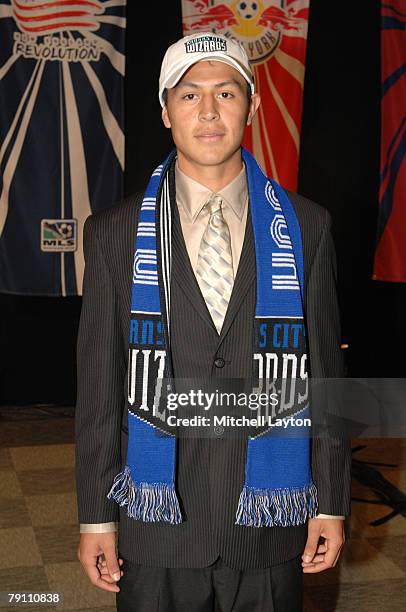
(319, 557)
(97, 554)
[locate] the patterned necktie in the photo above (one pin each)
(214, 270)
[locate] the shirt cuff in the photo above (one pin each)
(330, 516)
(98, 527)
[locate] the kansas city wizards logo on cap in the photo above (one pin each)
(205, 44)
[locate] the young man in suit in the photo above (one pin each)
(207, 561)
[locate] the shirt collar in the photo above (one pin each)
(192, 195)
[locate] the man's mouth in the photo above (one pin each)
(210, 136)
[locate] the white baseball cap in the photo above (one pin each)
(202, 46)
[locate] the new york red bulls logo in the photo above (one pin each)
(259, 25)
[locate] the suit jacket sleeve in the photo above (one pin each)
(331, 456)
(100, 395)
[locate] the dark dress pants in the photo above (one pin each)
(216, 588)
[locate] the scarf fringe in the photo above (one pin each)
(145, 501)
(276, 507)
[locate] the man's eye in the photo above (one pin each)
(226, 94)
(189, 96)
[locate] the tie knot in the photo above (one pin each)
(214, 204)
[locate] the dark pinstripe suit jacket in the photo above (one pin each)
(209, 472)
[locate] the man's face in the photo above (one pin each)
(207, 112)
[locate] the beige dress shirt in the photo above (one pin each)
(191, 197)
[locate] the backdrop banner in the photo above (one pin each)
(274, 34)
(62, 67)
(390, 255)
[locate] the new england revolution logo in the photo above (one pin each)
(258, 25)
(39, 20)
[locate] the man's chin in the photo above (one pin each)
(213, 154)
(210, 155)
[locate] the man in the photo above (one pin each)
(196, 530)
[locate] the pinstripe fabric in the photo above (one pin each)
(210, 472)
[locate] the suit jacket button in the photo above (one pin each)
(219, 362)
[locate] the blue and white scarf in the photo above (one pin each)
(278, 488)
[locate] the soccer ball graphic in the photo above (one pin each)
(247, 10)
(65, 229)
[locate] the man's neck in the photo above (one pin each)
(212, 177)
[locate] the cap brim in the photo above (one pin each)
(175, 76)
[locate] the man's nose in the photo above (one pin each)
(208, 109)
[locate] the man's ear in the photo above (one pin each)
(165, 117)
(254, 105)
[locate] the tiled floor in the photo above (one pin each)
(39, 531)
